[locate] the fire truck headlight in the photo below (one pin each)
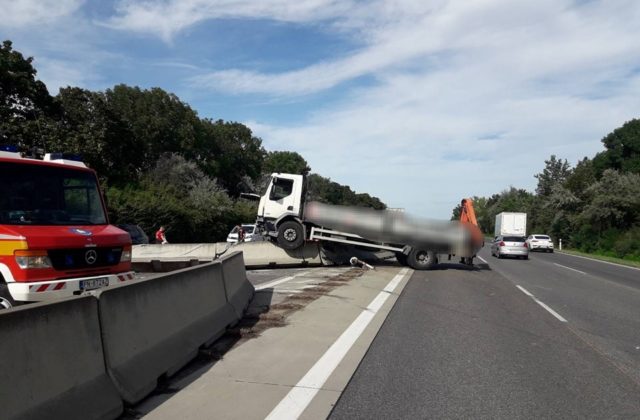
(32, 259)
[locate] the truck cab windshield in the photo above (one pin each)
(47, 195)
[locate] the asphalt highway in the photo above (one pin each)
(552, 337)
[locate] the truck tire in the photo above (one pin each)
(402, 258)
(419, 259)
(290, 235)
(6, 301)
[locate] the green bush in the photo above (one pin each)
(628, 244)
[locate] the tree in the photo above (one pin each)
(158, 122)
(177, 194)
(27, 111)
(229, 152)
(622, 149)
(89, 126)
(614, 201)
(581, 178)
(555, 172)
(286, 162)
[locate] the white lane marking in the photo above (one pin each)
(273, 283)
(305, 281)
(297, 400)
(271, 270)
(551, 311)
(569, 268)
(525, 291)
(539, 302)
(600, 261)
(483, 260)
(299, 280)
(276, 282)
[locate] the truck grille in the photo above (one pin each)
(66, 259)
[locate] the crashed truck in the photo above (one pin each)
(285, 217)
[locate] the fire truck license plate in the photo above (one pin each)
(94, 283)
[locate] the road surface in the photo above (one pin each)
(553, 337)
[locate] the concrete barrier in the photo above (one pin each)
(51, 363)
(154, 327)
(268, 254)
(257, 254)
(184, 251)
(165, 265)
(239, 290)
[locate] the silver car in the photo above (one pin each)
(541, 242)
(510, 246)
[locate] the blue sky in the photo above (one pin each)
(419, 102)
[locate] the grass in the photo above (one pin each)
(620, 261)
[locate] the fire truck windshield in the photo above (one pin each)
(47, 195)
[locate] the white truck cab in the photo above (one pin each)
(283, 197)
(281, 207)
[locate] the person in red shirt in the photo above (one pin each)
(161, 237)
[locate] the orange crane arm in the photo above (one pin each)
(468, 214)
(468, 217)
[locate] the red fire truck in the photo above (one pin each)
(55, 236)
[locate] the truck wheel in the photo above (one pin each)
(402, 258)
(6, 301)
(419, 259)
(290, 235)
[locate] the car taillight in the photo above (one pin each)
(524, 244)
(501, 243)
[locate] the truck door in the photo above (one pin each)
(282, 199)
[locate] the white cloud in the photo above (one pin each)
(542, 39)
(18, 13)
(167, 18)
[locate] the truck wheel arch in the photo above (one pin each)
(5, 275)
(286, 218)
(6, 300)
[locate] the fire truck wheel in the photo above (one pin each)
(419, 259)
(402, 258)
(6, 301)
(290, 235)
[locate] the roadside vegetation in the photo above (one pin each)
(159, 162)
(593, 207)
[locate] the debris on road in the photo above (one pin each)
(356, 262)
